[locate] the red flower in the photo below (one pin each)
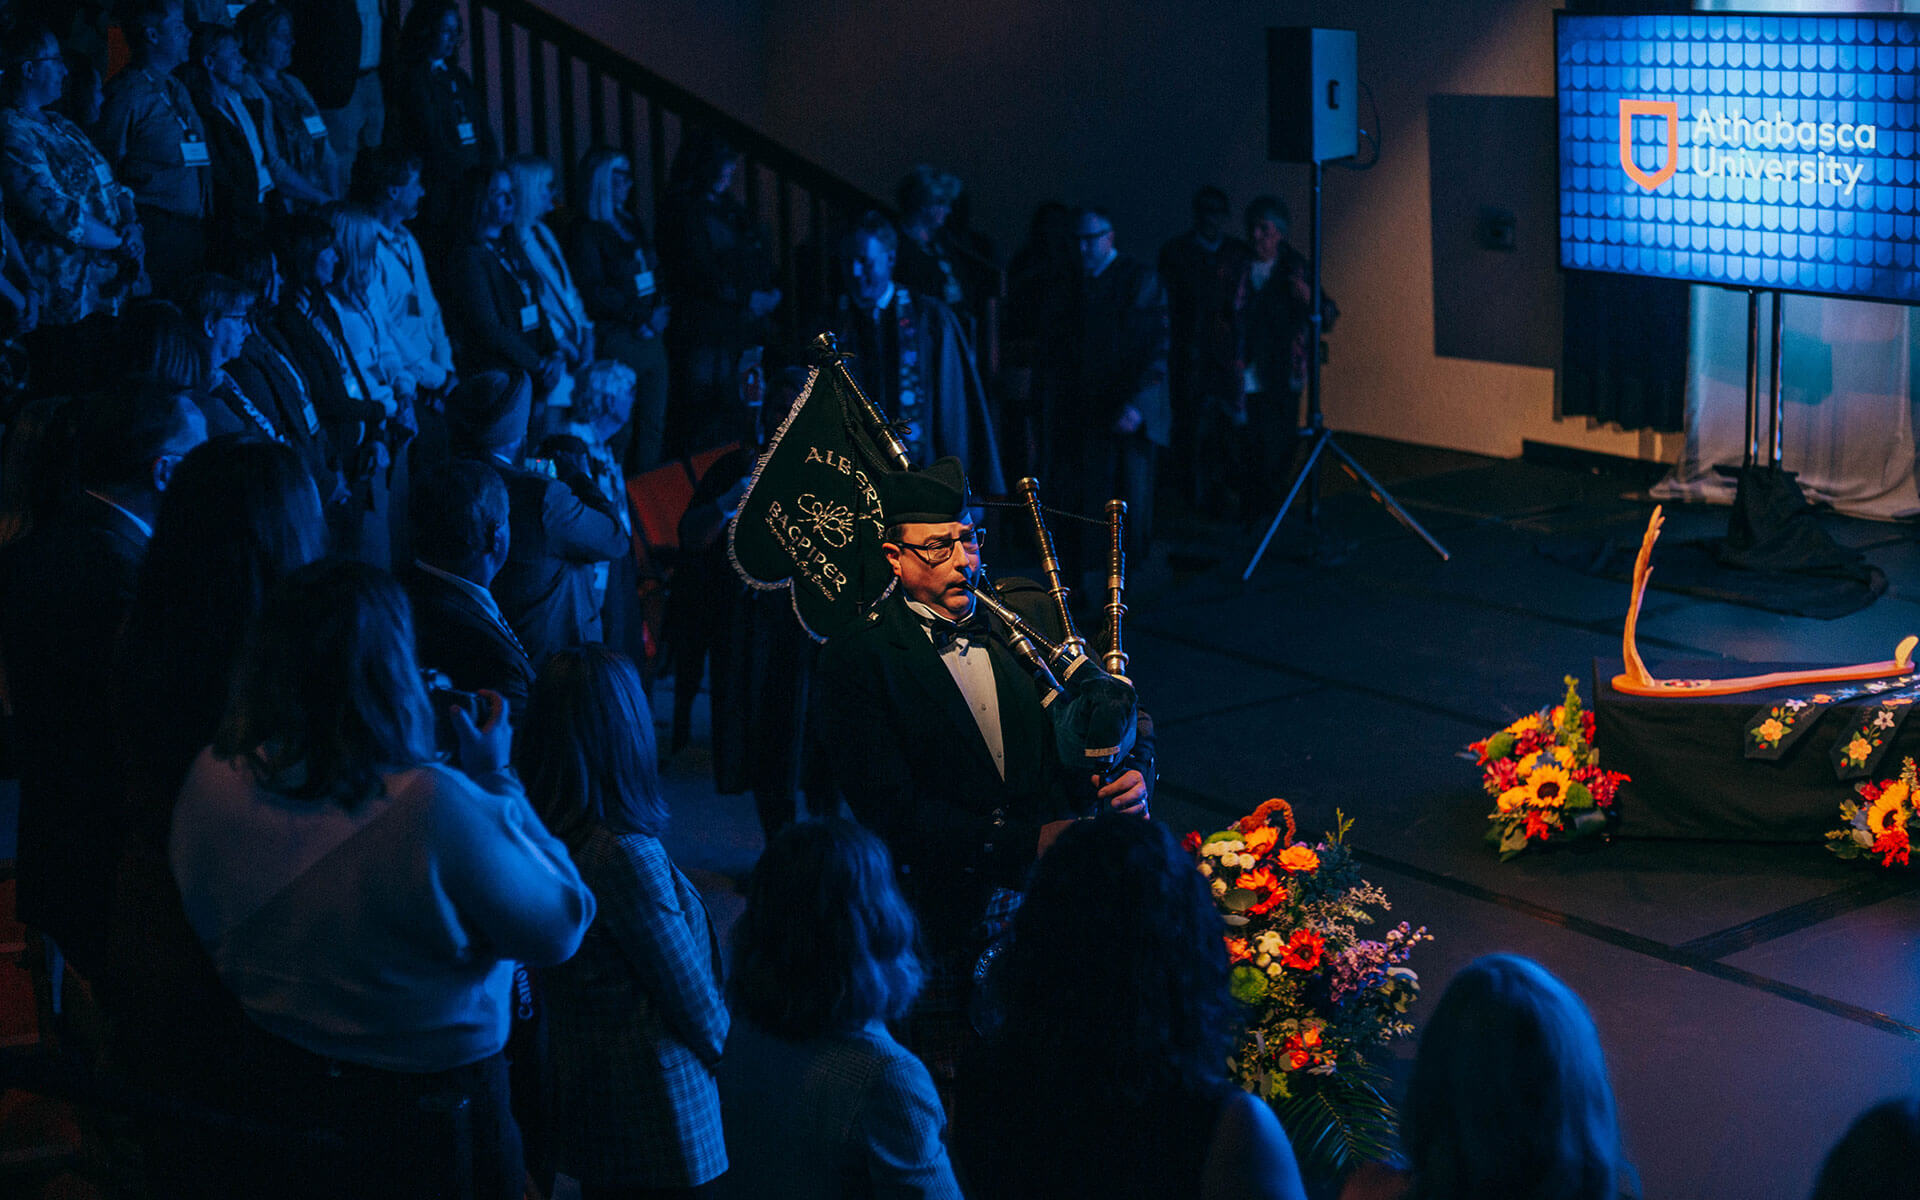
(1275, 899)
(1238, 950)
(1586, 725)
(1503, 776)
(1300, 1048)
(1538, 826)
(1192, 843)
(1868, 792)
(1303, 950)
(1480, 751)
(1892, 847)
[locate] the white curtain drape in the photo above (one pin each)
(1847, 381)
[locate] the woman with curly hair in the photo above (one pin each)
(1107, 1076)
(818, 1101)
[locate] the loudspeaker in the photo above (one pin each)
(1312, 94)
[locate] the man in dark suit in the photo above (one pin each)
(560, 524)
(941, 746)
(64, 593)
(461, 533)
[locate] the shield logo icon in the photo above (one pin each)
(1629, 109)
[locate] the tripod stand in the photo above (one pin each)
(1316, 431)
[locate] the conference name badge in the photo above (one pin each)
(104, 173)
(316, 128)
(529, 317)
(192, 153)
(465, 131)
(643, 283)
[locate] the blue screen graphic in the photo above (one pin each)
(1743, 150)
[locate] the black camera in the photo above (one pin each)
(444, 698)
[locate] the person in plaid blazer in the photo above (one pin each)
(636, 1020)
(819, 1101)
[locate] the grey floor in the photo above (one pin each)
(1752, 998)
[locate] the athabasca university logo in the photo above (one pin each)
(1668, 109)
(1734, 146)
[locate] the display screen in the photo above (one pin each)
(1739, 149)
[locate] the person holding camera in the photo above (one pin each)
(365, 903)
(560, 524)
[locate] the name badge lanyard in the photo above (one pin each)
(462, 126)
(529, 307)
(186, 127)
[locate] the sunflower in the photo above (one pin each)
(1514, 797)
(1526, 724)
(1889, 804)
(1547, 786)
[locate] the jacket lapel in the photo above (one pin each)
(926, 672)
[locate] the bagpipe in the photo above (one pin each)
(810, 521)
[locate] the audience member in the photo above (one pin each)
(818, 1101)
(310, 329)
(76, 225)
(614, 267)
(637, 1022)
(1205, 274)
(237, 134)
(154, 140)
(309, 171)
(461, 533)
(336, 53)
(265, 370)
(365, 904)
(1509, 1095)
(602, 405)
(65, 589)
(222, 312)
(1279, 330)
(1105, 412)
(1139, 1105)
(718, 274)
(368, 328)
(493, 294)
(926, 267)
(560, 526)
(561, 305)
(1871, 1161)
(239, 515)
(436, 113)
(387, 182)
(912, 357)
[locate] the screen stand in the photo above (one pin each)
(1321, 438)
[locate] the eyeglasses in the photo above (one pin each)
(938, 551)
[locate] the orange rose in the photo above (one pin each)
(1262, 840)
(1299, 858)
(1238, 950)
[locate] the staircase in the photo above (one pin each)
(554, 91)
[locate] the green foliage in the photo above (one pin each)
(1336, 1122)
(1247, 984)
(1500, 746)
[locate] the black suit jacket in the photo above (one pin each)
(452, 633)
(238, 207)
(558, 531)
(65, 591)
(268, 380)
(911, 761)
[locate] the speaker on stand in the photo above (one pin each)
(1313, 117)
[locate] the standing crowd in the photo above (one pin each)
(327, 669)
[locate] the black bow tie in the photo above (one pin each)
(947, 633)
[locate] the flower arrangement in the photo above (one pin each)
(1882, 822)
(1544, 775)
(1320, 995)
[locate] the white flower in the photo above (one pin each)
(1274, 971)
(1219, 887)
(1247, 861)
(1270, 943)
(1235, 845)
(1261, 960)
(1206, 868)
(1213, 849)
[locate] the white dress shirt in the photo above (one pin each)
(967, 660)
